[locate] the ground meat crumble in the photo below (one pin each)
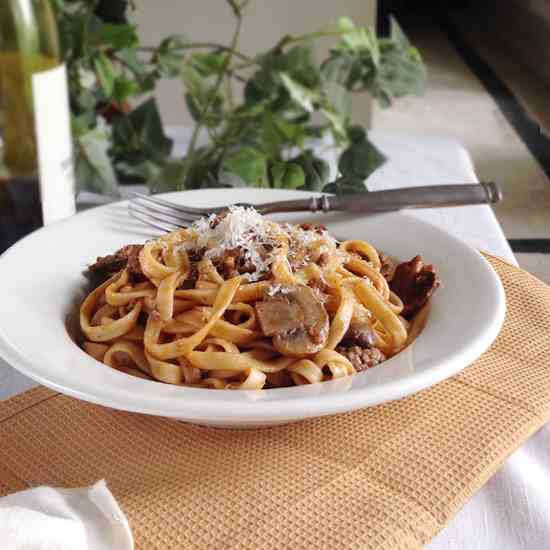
(362, 358)
(127, 256)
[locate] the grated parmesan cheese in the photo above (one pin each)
(242, 228)
(258, 238)
(275, 289)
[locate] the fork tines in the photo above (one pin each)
(162, 214)
(159, 222)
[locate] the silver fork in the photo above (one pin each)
(165, 215)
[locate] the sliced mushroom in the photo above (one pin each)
(277, 317)
(296, 319)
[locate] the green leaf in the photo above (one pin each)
(147, 171)
(119, 37)
(298, 62)
(196, 108)
(357, 134)
(169, 56)
(266, 85)
(130, 58)
(360, 160)
(84, 100)
(193, 80)
(173, 42)
(353, 37)
(337, 68)
(337, 109)
(140, 134)
(303, 96)
(199, 95)
(169, 178)
(314, 131)
(169, 63)
(398, 72)
(94, 167)
(70, 34)
(338, 124)
(316, 171)
(105, 73)
(209, 63)
(346, 24)
(260, 90)
(148, 125)
(401, 73)
(251, 110)
(398, 35)
(125, 88)
(91, 37)
(81, 124)
(287, 175)
(346, 186)
(113, 11)
(249, 164)
(339, 98)
(271, 134)
(288, 130)
(359, 38)
(144, 75)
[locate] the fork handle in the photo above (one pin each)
(429, 196)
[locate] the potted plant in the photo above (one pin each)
(260, 113)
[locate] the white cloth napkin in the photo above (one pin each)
(45, 518)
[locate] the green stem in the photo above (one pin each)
(236, 7)
(246, 65)
(233, 74)
(209, 45)
(193, 143)
(286, 40)
(229, 92)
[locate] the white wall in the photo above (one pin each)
(266, 21)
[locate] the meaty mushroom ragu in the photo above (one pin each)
(242, 302)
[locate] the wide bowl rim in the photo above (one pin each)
(281, 404)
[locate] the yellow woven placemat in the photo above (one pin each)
(388, 477)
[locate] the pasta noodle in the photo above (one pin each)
(241, 302)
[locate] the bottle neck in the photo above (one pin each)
(29, 28)
(28, 45)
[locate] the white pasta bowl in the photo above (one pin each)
(43, 285)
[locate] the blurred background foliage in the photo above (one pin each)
(261, 115)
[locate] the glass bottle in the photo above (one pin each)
(36, 150)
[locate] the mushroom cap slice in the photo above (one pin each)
(312, 333)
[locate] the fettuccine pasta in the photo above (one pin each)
(240, 302)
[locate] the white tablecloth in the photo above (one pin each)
(512, 511)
